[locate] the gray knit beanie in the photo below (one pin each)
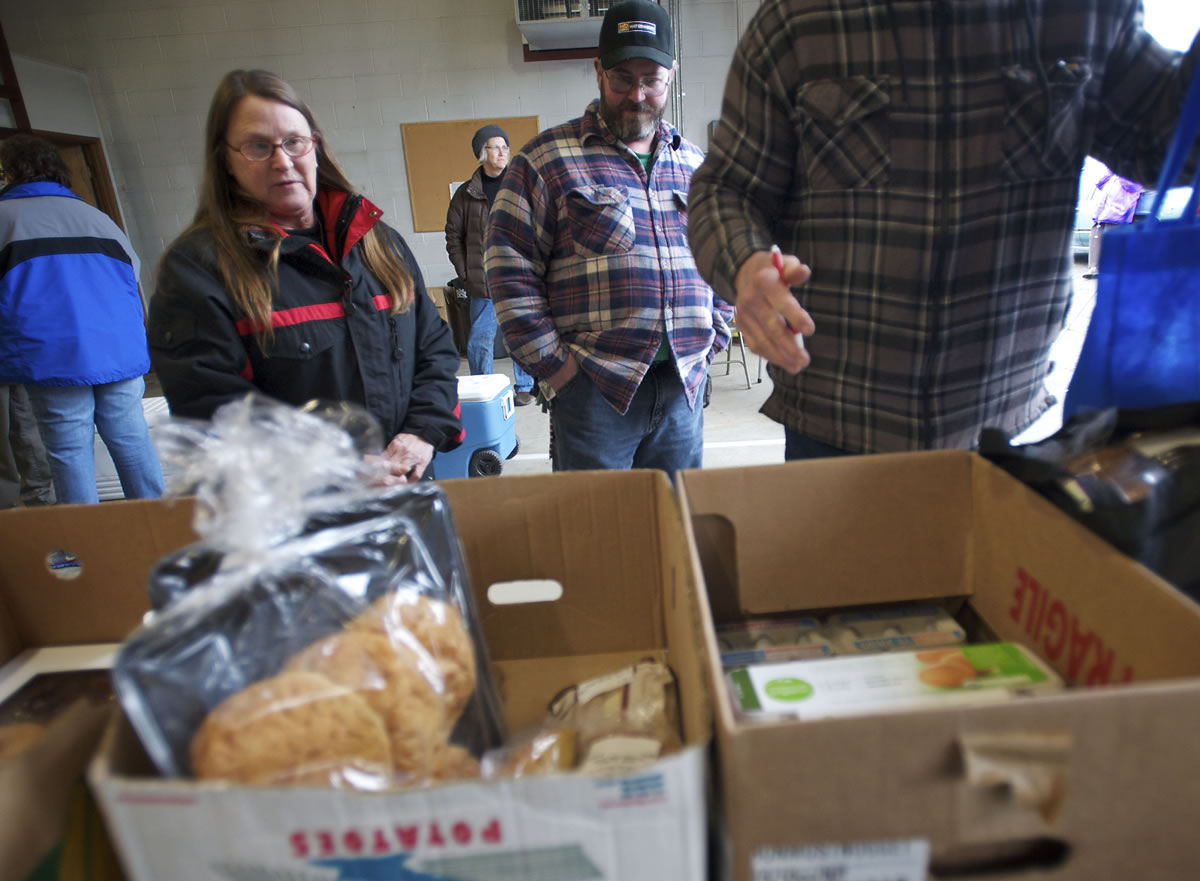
(484, 135)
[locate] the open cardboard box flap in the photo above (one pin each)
(103, 598)
(949, 526)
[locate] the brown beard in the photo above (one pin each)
(630, 129)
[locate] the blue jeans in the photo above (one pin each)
(66, 416)
(482, 340)
(660, 430)
(801, 446)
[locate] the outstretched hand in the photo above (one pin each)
(768, 315)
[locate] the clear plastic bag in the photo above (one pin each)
(323, 631)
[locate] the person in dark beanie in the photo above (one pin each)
(466, 221)
(72, 325)
(588, 264)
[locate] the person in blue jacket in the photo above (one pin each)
(72, 325)
(288, 283)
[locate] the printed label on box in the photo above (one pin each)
(898, 860)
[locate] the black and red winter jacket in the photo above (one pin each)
(334, 337)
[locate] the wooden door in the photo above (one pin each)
(81, 173)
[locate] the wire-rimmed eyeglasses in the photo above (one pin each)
(621, 82)
(259, 151)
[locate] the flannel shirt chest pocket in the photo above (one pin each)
(600, 221)
(843, 132)
(1040, 136)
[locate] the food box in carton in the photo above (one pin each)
(892, 629)
(760, 641)
(858, 684)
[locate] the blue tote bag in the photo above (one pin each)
(1142, 348)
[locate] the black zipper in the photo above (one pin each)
(342, 227)
(395, 338)
(340, 231)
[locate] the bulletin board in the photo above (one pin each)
(437, 154)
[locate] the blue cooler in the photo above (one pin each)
(490, 423)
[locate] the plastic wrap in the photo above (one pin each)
(540, 751)
(323, 631)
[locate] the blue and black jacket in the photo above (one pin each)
(70, 310)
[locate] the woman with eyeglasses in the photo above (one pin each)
(288, 283)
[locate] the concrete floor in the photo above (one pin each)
(736, 434)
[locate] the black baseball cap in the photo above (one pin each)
(636, 29)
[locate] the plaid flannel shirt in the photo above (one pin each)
(923, 156)
(587, 253)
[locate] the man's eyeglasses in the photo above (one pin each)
(259, 151)
(621, 82)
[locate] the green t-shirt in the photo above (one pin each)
(664, 349)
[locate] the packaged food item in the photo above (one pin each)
(622, 720)
(543, 751)
(454, 763)
(330, 639)
(771, 639)
(858, 684)
(898, 628)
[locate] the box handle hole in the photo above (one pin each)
(64, 564)
(528, 590)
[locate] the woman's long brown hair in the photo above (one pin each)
(225, 209)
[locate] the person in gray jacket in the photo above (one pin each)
(466, 222)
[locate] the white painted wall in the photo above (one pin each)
(57, 98)
(364, 66)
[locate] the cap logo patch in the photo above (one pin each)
(637, 27)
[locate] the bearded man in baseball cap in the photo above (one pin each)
(587, 262)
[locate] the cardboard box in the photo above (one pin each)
(615, 543)
(437, 293)
(70, 577)
(1101, 781)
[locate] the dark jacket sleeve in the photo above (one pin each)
(195, 348)
(456, 232)
(433, 408)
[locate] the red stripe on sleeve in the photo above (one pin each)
(462, 432)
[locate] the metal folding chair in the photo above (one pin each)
(736, 340)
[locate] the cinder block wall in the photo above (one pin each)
(364, 66)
